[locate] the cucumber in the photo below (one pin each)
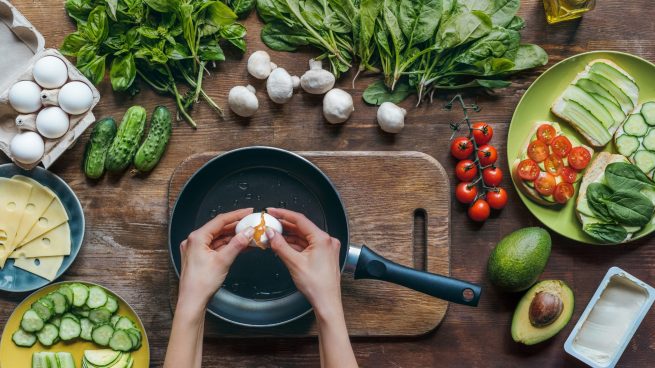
(635, 125)
(44, 359)
(44, 308)
(102, 358)
(65, 360)
(24, 339)
(95, 153)
(114, 320)
(120, 341)
(648, 111)
(59, 301)
(627, 144)
(626, 103)
(624, 82)
(97, 297)
(69, 329)
(31, 321)
(135, 335)
(573, 111)
(81, 312)
(87, 327)
(66, 291)
(612, 107)
(124, 147)
(124, 323)
(70, 316)
(112, 304)
(55, 321)
(48, 335)
(100, 316)
(590, 86)
(80, 294)
(645, 160)
(649, 140)
(577, 94)
(102, 334)
(155, 143)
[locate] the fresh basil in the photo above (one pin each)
(606, 233)
(122, 72)
(242, 7)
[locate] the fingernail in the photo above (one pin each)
(270, 233)
(249, 232)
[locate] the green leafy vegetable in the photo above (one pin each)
(622, 175)
(377, 93)
(630, 208)
(606, 233)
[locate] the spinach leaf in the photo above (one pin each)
(122, 72)
(629, 208)
(419, 19)
(501, 12)
(597, 196)
(280, 37)
(517, 23)
(377, 93)
(607, 233)
(219, 14)
(625, 176)
(242, 7)
(529, 56)
(463, 27)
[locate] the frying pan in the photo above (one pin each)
(258, 290)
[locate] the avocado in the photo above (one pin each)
(542, 312)
(519, 258)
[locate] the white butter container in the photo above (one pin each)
(610, 319)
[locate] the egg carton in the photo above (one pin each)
(21, 45)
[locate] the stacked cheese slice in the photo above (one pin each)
(34, 227)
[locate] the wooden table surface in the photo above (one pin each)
(125, 246)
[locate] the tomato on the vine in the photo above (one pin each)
(545, 184)
(466, 170)
(538, 150)
(479, 211)
(563, 192)
(553, 165)
(492, 176)
(482, 133)
(466, 192)
(487, 155)
(569, 175)
(528, 169)
(497, 198)
(579, 158)
(461, 148)
(561, 146)
(546, 133)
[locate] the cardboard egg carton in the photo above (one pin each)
(21, 45)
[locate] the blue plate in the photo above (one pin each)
(16, 280)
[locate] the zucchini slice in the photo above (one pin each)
(645, 160)
(649, 140)
(22, 338)
(635, 125)
(627, 145)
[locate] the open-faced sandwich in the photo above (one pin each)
(598, 100)
(635, 138)
(615, 200)
(549, 165)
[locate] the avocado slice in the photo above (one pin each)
(618, 94)
(573, 111)
(542, 312)
(577, 94)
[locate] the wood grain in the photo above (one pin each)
(125, 245)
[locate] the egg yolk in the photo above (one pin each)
(259, 231)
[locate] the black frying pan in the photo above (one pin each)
(258, 291)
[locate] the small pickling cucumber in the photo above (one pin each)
(648, 112)
(124, 147)
(96, 149)
(155, 143)
(635, 125)
(627, 144)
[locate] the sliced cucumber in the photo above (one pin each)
(577, 94)
(48, 334)
(574, 112)
(66, 291)
(623, 99)
(83, 313)
(112, 304)
(65, 360)
(97, 297)
(635, 125)
(102, 358)
(87, 327)
(80, 294)
(100, 316)
(649, 140)
(22, 338)
(592, 87)
(645, 160)
(124, 324)
(627, 144)
(55, 321)
(44, 308)
(612, 107)
(625, 83)
(120, 341)
(71, 316)
(130, 362)
(69, 329)
(135, 335)
(60, 302)
(44, 359)
(102, 334)
(31, 321)
(114, 320)
(648, 111)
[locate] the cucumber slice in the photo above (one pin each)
(55, 321)
(625, 83)
(71, 316)
(80, 294)
(130, 362)
(635, 125)
(87, 327)
(124, 324)
(44, 359)
(31, 321)
(577, 94)
(627, 144)
(112, 304)
(648, 111)
(100, 316)
(82, 313)
(48, 334)
(44, 308)
(22, 338)
(590, 86)
(102, 334)
(645, 160)
(649, 140)
(97, 297)
(612, 107)
(623, 99)
(114, 320)
(102, 358)
(573, 111)
(65, 360)
(69, 329)
(59, 301)
(120, 341)
(66, 291)
(135, 335)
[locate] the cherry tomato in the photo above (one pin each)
(479, 211)
(487, 155)
(546, 133)
(497, 198)
(545, 184)
(563, 192)
(461, 148)
(561, 146)
(492, 176)
(553, 165)
(466, 170)
(569, 175)
(579, 158)
(465, 192)
(528, 169)
(538, 151)
(482, 133)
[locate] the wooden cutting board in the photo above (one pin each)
(385, 194)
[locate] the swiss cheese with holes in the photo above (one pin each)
(56, 242)
(37, 204)
(13, 199)
(46, 267)
(54, 216)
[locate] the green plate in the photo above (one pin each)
(535, 106)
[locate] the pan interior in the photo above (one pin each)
(256, 273)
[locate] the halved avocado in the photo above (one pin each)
(542, 312)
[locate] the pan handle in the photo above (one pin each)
(371, 265)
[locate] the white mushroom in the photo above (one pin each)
(260, 65)
(317, 80)
(243, 101)
(280, 85)
(391, 117)
(337, 106)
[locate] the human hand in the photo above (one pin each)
(311, 256)
(208, 253)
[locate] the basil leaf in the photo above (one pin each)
(72, 44)
(377, 93)
(78, 9)
(96, 27)
(94, 69)
(606, 233)
(220, 14)
(630, 208)
(625, 176)
(111, 8)
(163, 6)
(178, 51)
(211, 51)
(122, 72)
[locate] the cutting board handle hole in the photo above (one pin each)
(468, 294)
(420, 243)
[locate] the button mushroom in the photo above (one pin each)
(260, 65)
(317, 80)
(243, 101)
(391, 117)
(280, 85)
(337, 106)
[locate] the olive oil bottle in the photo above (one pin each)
(561, 10)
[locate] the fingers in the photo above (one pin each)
(292, 240)
(214, 227)
(281, 247)
(240, 241)
(303, 225)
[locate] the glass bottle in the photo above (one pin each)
(561, 10)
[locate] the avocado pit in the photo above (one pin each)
(545, 308)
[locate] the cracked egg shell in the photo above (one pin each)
(259, 221)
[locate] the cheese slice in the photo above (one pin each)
(46, 267)
(39, 200)
(56, 242)
(13, 199)
(54, 216)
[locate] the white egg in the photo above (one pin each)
(75, 97)
(25, 97)
(52, 122)
(259, 221)
(50, 72)
(27, 147)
